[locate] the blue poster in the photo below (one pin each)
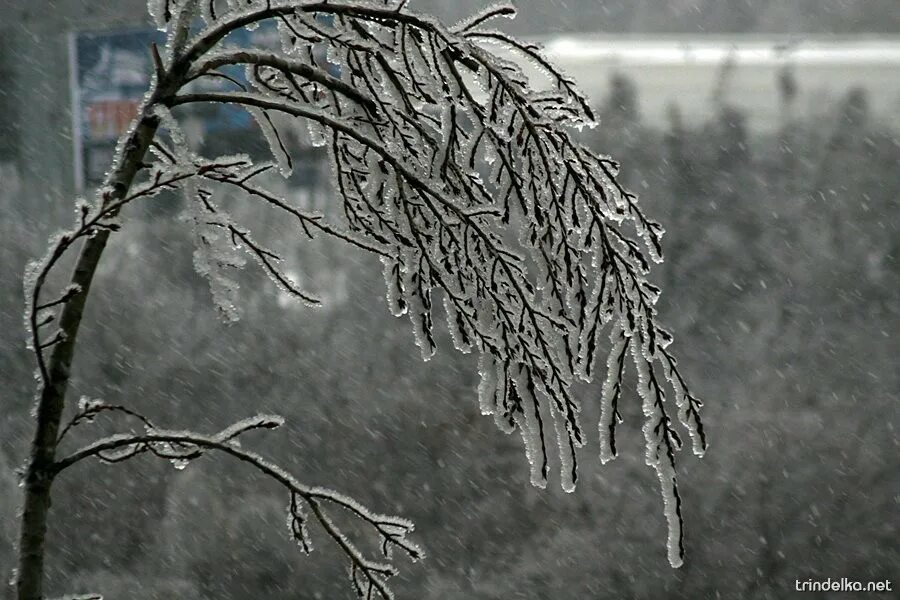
(111, 72)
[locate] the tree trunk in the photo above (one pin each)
(40, 470)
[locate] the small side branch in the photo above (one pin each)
(158, 66)
(183, 446)
(88, 409)
(267, 59)
(267, 259)
(306, 220)
(58, 337)
(70, 291)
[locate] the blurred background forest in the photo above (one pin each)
(781, 285)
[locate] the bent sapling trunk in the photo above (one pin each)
(40, 470)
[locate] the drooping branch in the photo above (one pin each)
(411, 175)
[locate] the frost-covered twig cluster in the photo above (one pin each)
(439, 148)
(92, 218)
(466, 181)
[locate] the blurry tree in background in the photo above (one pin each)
(694, 16)
(419, 112)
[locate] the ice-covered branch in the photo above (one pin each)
(279, 63)
(306, 220)
(180, 447)
(89, 409)
(89, 220)
(459, 148)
